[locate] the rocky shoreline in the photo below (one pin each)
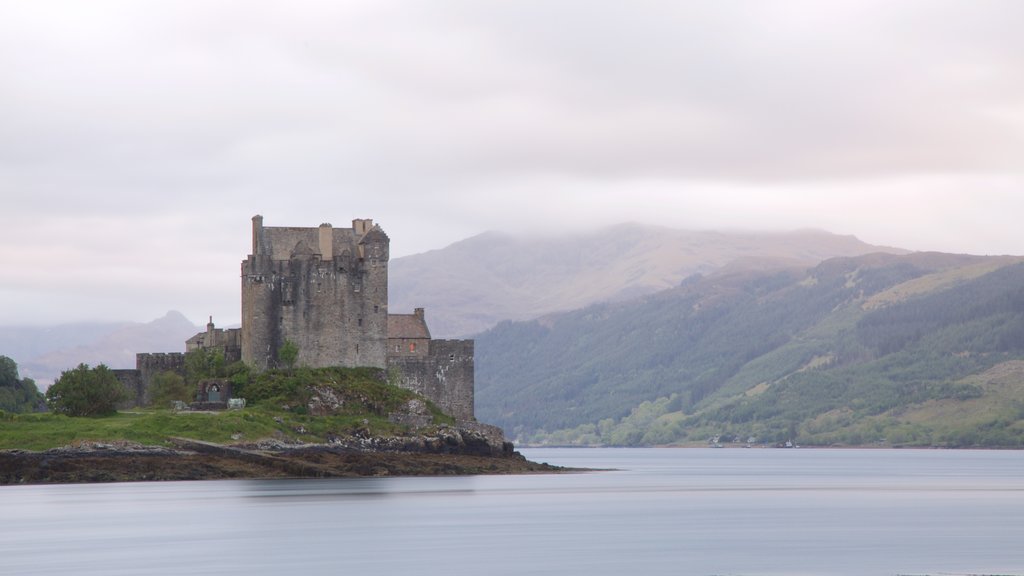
(451, 451)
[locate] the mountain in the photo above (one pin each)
(850, 351)
(43, 352)
(472, 285)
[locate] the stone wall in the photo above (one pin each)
(445, 376)
(149, 365)
(227, 342)
(136, 390)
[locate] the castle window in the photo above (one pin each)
(412, 347)
(359, 322)
(287, 293)
(397, 348)
(451, 357)
(376, 308)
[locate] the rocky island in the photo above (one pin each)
(319, 381)
(300, 423)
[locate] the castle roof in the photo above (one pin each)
(407, 326)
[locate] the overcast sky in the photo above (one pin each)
(138, 138)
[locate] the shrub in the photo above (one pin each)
(168, 387)
(86, 391)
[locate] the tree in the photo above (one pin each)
(168, 387)
(288, 354)
(203, 363)
(86, 391)
(18, 394)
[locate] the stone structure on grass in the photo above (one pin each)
(325, 290)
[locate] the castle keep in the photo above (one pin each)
(326, 290)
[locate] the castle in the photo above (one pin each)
(325, 289)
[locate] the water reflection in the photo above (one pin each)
(359, 488)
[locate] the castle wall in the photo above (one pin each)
(445, 375)
(408, 347)
(132, 382)
(147, 365)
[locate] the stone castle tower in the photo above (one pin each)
(325, 289)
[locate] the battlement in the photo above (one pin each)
(325, 242)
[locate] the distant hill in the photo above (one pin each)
(43, 352)
(472, 285)
(918, 349)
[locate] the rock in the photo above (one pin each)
(413, 414)
(324, 401)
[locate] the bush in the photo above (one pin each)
(168, 387)
(86, 391)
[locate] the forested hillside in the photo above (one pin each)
(852, 351)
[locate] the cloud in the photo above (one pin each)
(155, 129)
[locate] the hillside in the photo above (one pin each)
(471, 285)
(853, 350)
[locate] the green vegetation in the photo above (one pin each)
(311, 405)
(288, 354)
(85, 391)
(774, 356)
(168, 387)
(18, 394)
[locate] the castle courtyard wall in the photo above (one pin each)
(445, 376)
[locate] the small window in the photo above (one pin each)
(376, 308)
(359, 322)
(451, 357)
(412, 347)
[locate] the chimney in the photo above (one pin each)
(418, 312)
(326, 242)
(362, 225)
(257, 234)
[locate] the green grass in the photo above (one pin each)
(278, 412)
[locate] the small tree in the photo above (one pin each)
(168, 387)
(203, 363)
(288, 354)
(86, 391)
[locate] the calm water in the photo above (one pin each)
(701, 512)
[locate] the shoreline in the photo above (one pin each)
(191, 460)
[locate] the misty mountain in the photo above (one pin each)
(43, 352)
(851, 350)
(472, 285)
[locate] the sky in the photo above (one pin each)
(138, 138)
